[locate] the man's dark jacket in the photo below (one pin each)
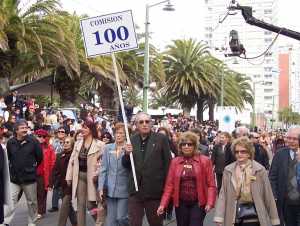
(229, 156)
(278, 176)
(218, 158)
(24, 157)
(261, 156)
(151, 171)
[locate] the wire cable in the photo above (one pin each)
(266, 51)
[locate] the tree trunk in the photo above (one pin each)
(200, 109)
(211, 109)
(66, 87)
(107, 98)
(4, 86)
(186, 111)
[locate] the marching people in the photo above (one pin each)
(81, 168)
(151, 153)
(44, 170)
(113, 180)
(190, 182)
(57, 144)
(261, 154)
(58, 179)
(283, 179)
(246, 197)
(219, 157)
(24, 155)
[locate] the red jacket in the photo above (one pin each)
(205, 180)
(46, 166)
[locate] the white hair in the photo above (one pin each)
(242, 130)
(138, 116)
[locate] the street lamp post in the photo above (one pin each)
(254, 101)
(168, 7)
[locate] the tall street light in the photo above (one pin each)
(168, 7)
(254, 101)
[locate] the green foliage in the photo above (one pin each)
(288, 117)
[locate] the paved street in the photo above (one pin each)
(50, 219)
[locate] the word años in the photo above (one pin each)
(119, 46)
(106, 20)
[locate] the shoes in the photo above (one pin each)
(53, 209)
(39, 216)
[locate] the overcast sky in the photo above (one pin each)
(187, 21)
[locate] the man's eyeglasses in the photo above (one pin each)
(61, 131)
(144, 122)
(186, 144)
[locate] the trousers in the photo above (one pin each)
(66, 210)
(30, 191)
(117, 212)
(189, 214)
(137, 208)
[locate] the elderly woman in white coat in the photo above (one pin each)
(80, 173)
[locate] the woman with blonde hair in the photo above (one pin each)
(246, 197)
(190, 183)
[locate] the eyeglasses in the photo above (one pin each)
(186, 144)
(41, 136)
(256, 137)
(61, 131)
(240, 152)
(144, 121)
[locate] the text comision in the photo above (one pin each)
(109, 33)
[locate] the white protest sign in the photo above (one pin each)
(109, 33)
(227, 117)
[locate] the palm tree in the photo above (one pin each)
(187, 79)
(32, 39)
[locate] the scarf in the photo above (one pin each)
(243, 176)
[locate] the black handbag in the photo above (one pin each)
(245, 211)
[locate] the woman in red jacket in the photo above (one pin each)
(44, 170)
(190, 183)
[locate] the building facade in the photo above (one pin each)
(289, 79)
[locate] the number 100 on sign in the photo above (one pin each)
(109, 33)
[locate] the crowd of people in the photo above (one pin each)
(250, 177)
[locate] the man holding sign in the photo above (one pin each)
(152, 156)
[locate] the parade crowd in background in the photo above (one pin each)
(250, 177)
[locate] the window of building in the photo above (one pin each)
(268, 75)
(268, 90)
(268, 32)
(268, 39)
(267, 11)
(268, 69)
(268, 97)
(268, 83)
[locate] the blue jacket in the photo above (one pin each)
(298, 175)
(113, 175)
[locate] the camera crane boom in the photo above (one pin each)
(250, 19)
